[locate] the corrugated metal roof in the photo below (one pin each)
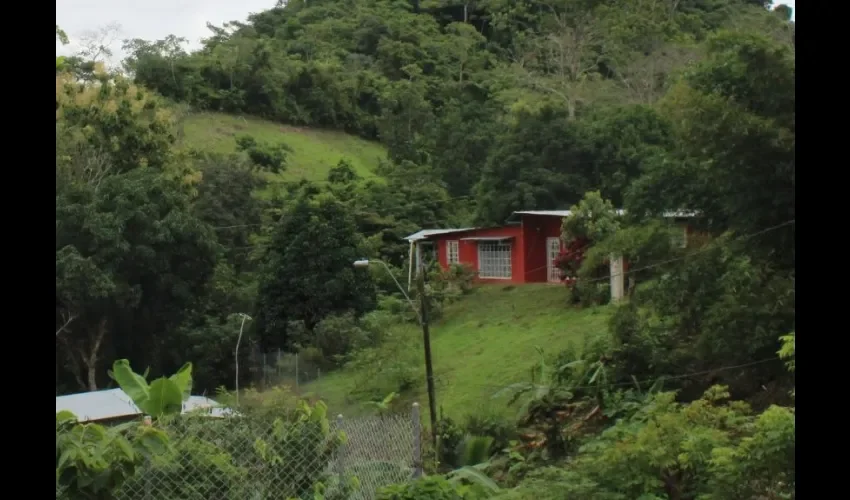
(115, 403)
(425, 233)
(488, 238)
(554, 213)
(567, 213)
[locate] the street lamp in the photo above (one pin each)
(422, 314)
(245, 318)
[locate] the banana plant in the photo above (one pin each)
(93, 461)
(163, 396)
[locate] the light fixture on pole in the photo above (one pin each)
(422, 314)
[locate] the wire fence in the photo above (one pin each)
(246, 458)
(272, 369)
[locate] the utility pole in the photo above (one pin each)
(429, 370)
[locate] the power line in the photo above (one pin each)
(675, 259)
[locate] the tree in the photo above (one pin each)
(309, 272)
(734, 135)
(130, 258)
(533, 166)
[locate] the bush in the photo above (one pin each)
(93, 461)
(393, 366)
(337, 336)
(429, 488)
(715, 308)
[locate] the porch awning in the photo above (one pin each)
(488, 238)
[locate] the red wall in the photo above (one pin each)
(468, 250)
(535, 230)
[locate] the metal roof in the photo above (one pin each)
(567, 213)
(488, 238)
(554, 213)
(425, 233)
(115, 403)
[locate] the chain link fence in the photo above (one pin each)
(272, 369)
(241, 458)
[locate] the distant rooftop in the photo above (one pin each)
(566, 213)
(115, 403)
(425, 233)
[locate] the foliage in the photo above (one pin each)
(337, 336)
(271, 157)
(310, 273)
(592, 219)
(691, 318)
(128, 245)
(697, 450)
(394, 366)
(93, 461)
(734, 160)
(789, 350)
(163, 396)
(429, 488)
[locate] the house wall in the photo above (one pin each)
(535, 230)
(468, 250)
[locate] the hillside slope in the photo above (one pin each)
(485, 342)
(314, 151)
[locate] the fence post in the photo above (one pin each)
(296, 372)
(417, 441)
(340, 454)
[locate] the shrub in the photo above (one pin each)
(93, 461)
(429, 488)
(337, 336)
(711, 448)
(393, 366)
(715, 308)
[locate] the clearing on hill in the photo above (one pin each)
(485, 342)
(314, 151)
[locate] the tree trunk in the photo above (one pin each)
(91, 357)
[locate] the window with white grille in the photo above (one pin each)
(452, 253)
(494, 259)
(553, 250)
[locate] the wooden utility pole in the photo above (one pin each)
(429, 370)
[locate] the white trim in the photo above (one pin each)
(552, 272)
(499, 255)
(452, 247)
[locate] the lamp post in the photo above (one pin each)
(245, 318)
(422, 314)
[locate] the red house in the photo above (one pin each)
(522, 251)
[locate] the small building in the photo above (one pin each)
(524, 250)
(114, 405)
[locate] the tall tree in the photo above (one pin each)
(734, 131)
(309, 271)
(128, 252)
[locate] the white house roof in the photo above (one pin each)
(567, 213)
(115, 403)
(425, 233)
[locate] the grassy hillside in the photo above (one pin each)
(483, 343)
(314, 151)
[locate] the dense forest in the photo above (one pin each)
(485, 107)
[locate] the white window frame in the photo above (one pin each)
(452, 252)
(495, 260)
(553, 245)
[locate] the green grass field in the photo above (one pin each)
(314, 151)
(485, 342)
